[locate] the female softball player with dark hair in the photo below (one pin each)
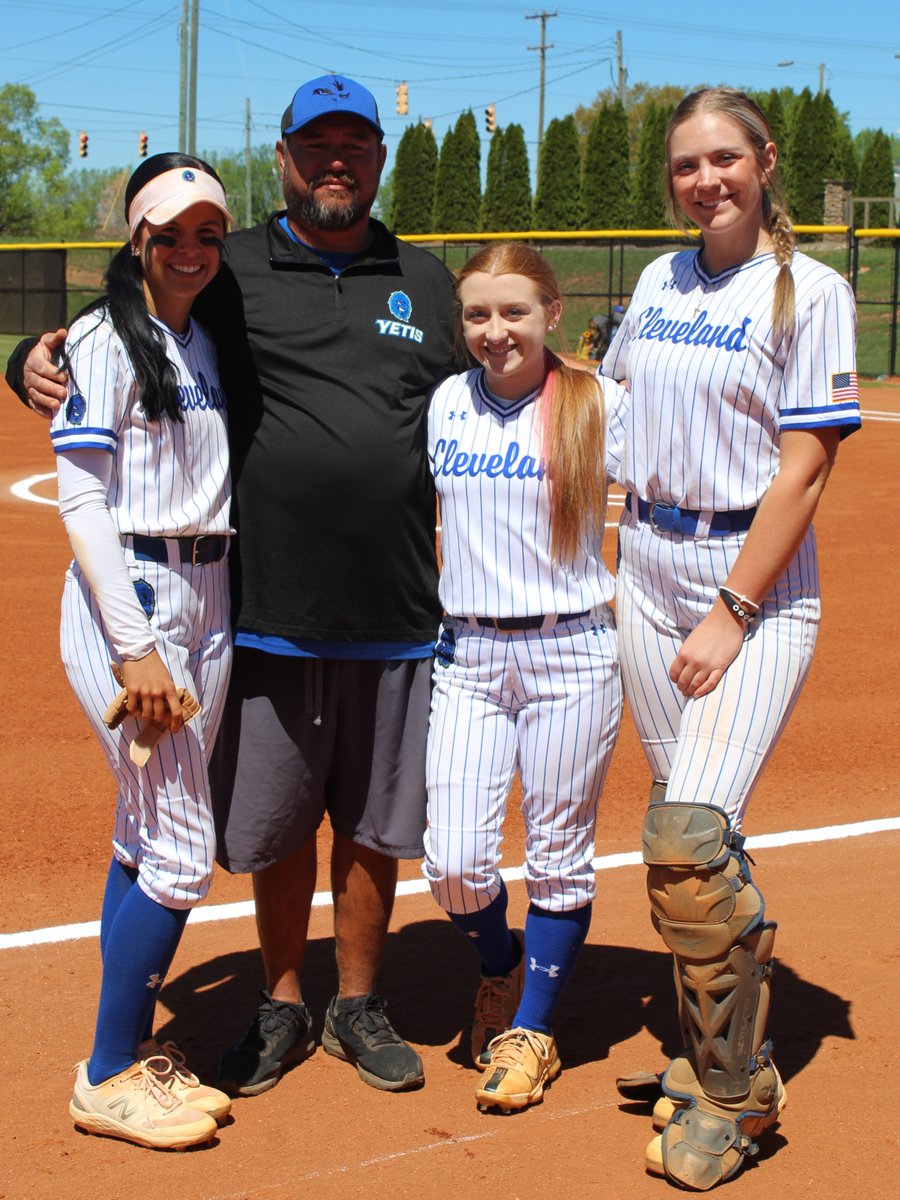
(144, 492)
(526, 674)
(739, 361)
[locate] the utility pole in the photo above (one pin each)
(623, 74)
(543, 17)
(182, 99)
(192, 110)
(821, 79)
(248, 170)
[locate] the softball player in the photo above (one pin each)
(144, 492)
(740, 364)
(525, 674)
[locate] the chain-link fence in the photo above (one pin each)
(40, 285)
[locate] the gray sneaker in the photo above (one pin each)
(280, 1035)
(357, 1031)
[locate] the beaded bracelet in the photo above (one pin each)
(744, 609)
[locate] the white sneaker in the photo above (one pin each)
(136, 1107)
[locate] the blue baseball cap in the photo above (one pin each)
(330, 94)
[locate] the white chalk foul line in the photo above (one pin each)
(22, 489)
(413, 887)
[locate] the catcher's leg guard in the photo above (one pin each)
(724, 1089)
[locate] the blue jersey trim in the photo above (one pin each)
(310, 648)
(844, 416)
(86, 438)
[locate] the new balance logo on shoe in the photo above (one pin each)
(121, 1105)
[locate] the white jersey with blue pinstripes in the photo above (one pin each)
(171, 478)
(712, 385)
(495, 510)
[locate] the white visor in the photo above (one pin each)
(169, 194)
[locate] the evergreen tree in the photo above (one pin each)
(493, 201)
(810, 143)
(605, 179)
(558, 201)
(876, 178)
(648, 193)
(443, 184)
(772, 106)
(506, 206)
(457, 196)
(413, 181)
(398, 217)
(516, 181)
(846, 165)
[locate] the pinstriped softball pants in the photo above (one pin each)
(711, 750)
(548, 704)
(163, 822)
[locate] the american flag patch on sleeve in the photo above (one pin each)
(844, 387)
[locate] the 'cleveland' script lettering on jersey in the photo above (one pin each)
(655, 326)
(200, 396)
(450, 460)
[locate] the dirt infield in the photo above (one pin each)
(321, 1132)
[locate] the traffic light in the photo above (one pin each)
(82, 144)
(142, 144)
(490, 118)
(402, 99)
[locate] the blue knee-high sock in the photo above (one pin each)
(488, 932)
(138, 951)
(119, 882)
(552, 944)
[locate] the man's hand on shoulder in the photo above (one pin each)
(44, 382)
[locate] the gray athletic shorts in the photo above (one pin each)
(304, 736)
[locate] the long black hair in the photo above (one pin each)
(126, 305)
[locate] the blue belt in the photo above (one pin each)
(198, 551)
(669, 518)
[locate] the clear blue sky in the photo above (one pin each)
(112, 69)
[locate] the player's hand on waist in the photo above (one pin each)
(707, 653)
(152, 695)
(45, 383)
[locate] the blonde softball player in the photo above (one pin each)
(144, 492)
(739, 359)
(525, 672)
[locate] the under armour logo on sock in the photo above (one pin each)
(156, 979)
(552, 971)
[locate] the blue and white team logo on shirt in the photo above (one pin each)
(400, 308)
(75, 409)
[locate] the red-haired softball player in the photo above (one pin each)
(526, 674)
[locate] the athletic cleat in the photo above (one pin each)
(136, 1107)
(279, 1035)
(523, 1063)
(181, 1081)
(496, 1005)
(357, 1031)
